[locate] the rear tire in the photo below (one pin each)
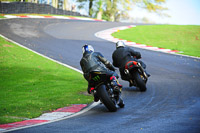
(139, 81)
(105, 99)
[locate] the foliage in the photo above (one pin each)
(113, 9)
(184, 38)
(82, 4)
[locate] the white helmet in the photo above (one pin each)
(87, 48)
(120, 44)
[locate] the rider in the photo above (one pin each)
(124, 54)
(94, 61)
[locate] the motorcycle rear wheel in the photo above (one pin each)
(105, 99)
(139, 81)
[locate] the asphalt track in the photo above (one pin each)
(171, 103)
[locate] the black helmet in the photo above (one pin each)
(120, 44)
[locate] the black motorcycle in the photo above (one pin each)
(136, 75)
(105, 92)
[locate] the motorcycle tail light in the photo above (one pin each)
(135, 63)
(130, 64)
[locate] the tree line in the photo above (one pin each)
(110, 10)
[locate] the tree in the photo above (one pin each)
(151, 5)
(154, 6)
(65, 5)
(111, 10)
(82, 3)
(55, 3)
(100, 9)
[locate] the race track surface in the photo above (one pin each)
(171, 103)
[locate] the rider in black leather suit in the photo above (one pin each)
(124, 54)
(94, 61)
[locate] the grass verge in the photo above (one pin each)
(184, 38)
(2, 16)
(32, 85)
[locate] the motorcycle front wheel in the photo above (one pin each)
(105, 99)
(139, 81)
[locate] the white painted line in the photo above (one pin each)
(1, 130)
(61, 17)
(33, 16)
(53, 116)
(10, 16)
(90, 19)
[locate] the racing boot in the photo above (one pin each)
(115, 83)
(91, 90)
(147, 73)
(121, 102)
(118, 88)
(96, 98)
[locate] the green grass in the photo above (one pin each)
(31, 85)
(2, 16)
(184, 38)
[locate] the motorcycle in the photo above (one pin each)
(136, 75)
(105, 91)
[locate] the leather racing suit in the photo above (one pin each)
(121, 56)
(94, 61)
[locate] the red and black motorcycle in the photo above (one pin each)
(136, 75)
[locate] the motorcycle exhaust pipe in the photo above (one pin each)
(145, 75)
